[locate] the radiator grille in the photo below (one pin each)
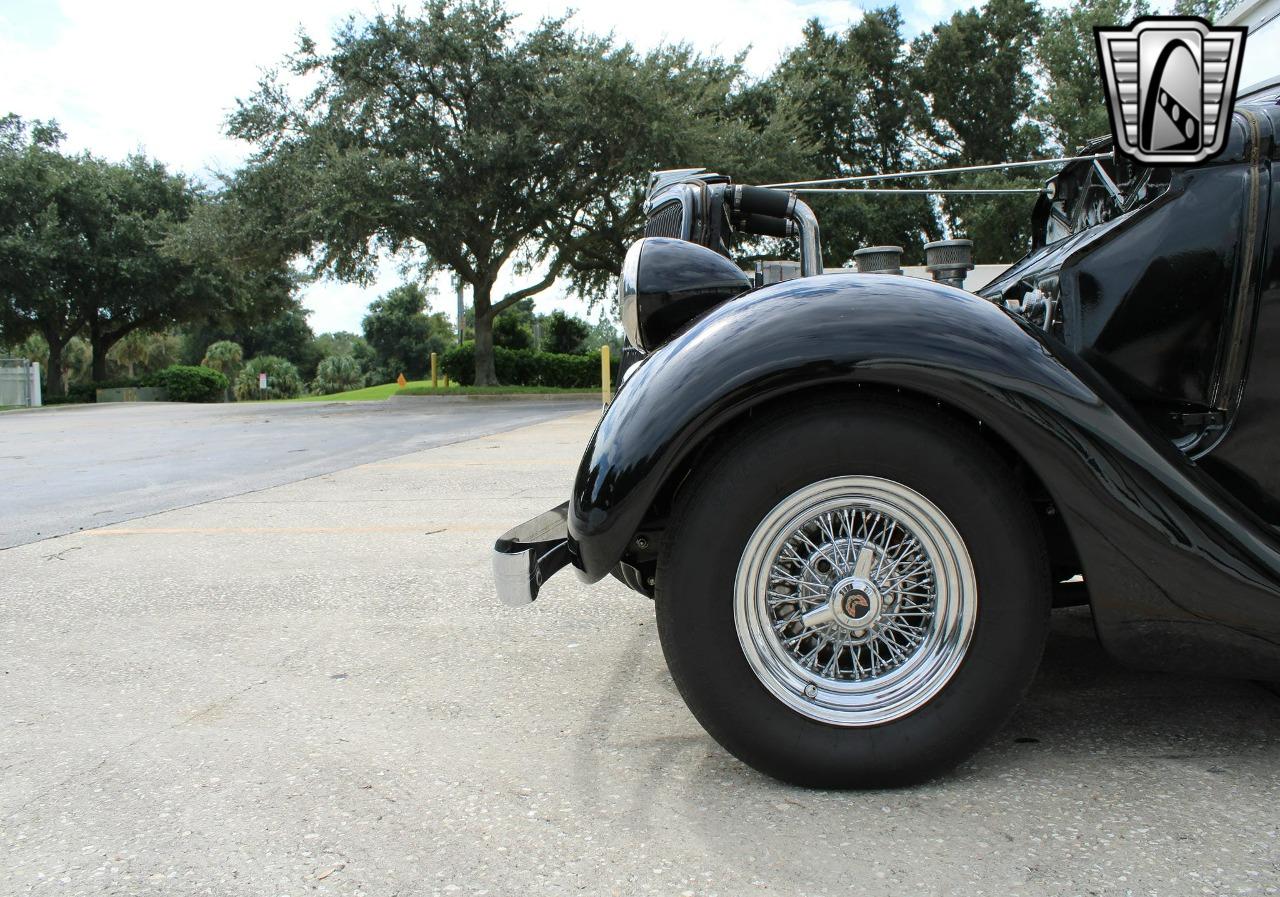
(666, 221)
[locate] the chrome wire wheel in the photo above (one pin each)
(855, 601)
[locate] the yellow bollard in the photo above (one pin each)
(446, 381)
(434, 369)
(604, 375)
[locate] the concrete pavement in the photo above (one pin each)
(311, 689)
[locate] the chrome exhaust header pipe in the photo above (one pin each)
(810, 236)
(778, 213)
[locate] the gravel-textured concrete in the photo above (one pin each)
(311, 689)
(69, 468)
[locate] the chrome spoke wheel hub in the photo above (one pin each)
(855, 601)
(855, 604)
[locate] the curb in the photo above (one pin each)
(66, 406)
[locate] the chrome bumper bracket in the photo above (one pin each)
(527, 555)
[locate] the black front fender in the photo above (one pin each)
(1172, 561)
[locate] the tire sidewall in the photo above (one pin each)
(736, 488)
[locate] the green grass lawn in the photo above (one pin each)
(423, 388)
(369, 393)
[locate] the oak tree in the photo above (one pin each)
(51, 208)
(454, 138)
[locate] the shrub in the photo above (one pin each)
(189, 383)
(337, 373)
(283, 381)
(520, 367)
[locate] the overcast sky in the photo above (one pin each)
(160, 77)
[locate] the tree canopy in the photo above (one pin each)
(285, 333)
(852, 92)
(564, 334)
(403, 332)
(48, 223)
(110, 249)
(1072, 106)
(454, 137)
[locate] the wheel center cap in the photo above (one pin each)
(855, 603)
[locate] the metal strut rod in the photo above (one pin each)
(850, 179)
(917, 190)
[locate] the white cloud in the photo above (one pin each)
(161, 75)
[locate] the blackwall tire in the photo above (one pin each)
(852, 594)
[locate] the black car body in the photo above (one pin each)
(1126, 371)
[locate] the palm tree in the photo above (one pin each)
(224, 356)
(131, 350)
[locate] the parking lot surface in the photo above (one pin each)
(310, 689)
(71, 468)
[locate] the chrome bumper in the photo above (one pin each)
(527, 555)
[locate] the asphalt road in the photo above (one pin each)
(311, 689)
(67, 469)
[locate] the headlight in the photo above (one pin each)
(676, 282)
(628, 296)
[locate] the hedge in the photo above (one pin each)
(524, 367)
(189, 383)
(88, 392)
(184, 384)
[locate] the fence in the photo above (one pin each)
(19, 382)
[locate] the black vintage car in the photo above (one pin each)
(855, 497)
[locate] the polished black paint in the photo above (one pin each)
(1177, 303)
(677, 281)
(1148, 297)
(1247, 456)
(1149, 411)
(1181, 574)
